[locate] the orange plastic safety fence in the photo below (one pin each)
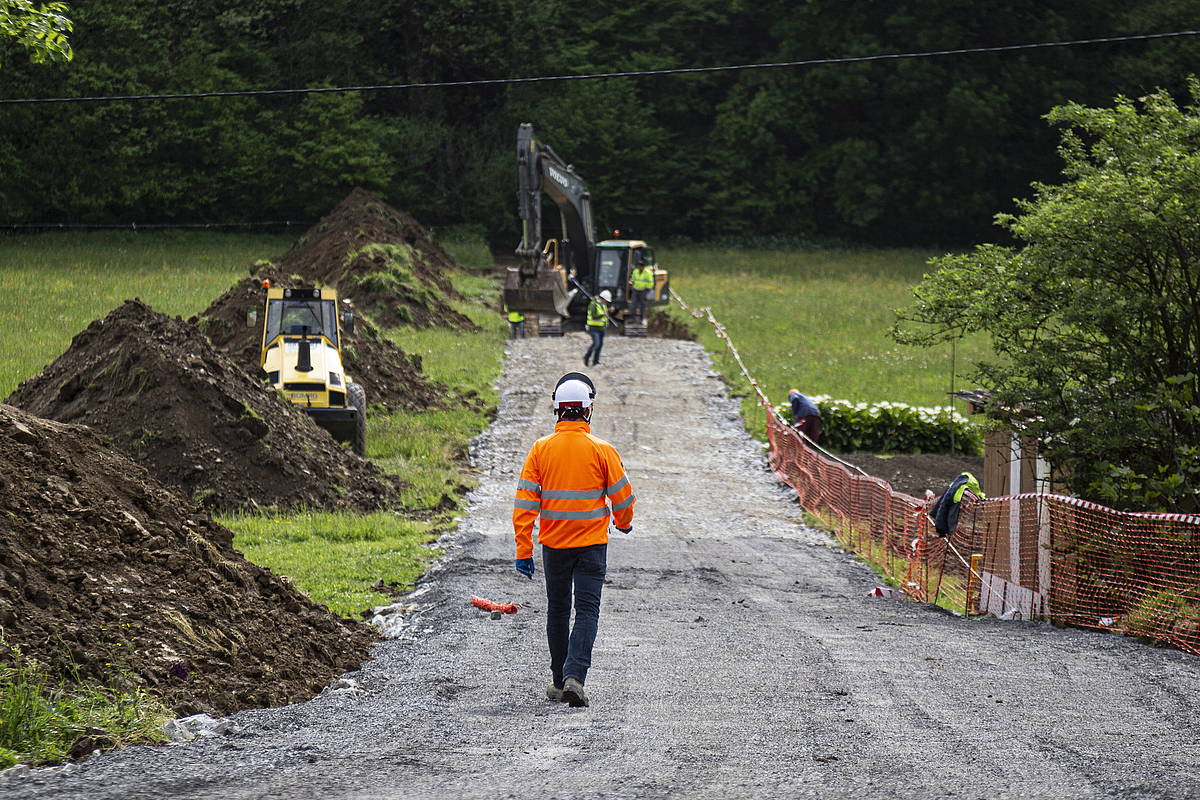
(1027, 556)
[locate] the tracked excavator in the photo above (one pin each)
(556, 278)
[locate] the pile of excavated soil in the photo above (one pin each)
(391, 377)
(197, 420)
(663, 326)
(382, 259)
(105, 572)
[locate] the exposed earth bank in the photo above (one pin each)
(738, 655)
(107, 575)
(198, 421)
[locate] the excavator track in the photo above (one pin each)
(637, 329)
(549, 325)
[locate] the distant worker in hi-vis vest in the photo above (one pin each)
(597, 322)
(571, 485)
(516, 321)
(642, 283)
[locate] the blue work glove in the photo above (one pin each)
(524, 566)
(626, 530)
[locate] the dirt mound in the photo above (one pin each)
(663, 326)
(104, 571)
(391, 377)
(197, 420)
(913, 474)
(381, 258)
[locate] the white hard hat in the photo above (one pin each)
(573, 392)
(606, 296)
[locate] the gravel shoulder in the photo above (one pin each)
(738, 655)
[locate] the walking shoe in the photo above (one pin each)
(554, 693)
(573, 693)
(585, 361)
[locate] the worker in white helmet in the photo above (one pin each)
(597, 323)
(574, 482)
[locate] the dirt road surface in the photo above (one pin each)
(738, 655)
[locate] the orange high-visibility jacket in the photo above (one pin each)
(566, 479)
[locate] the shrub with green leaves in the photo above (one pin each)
(893, 428)
(1092, 313)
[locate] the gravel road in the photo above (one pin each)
(738, 655)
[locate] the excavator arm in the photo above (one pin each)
(541, 170)
(539, 283)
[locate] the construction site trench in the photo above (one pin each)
(738, 654)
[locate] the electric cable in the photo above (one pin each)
(601, 75)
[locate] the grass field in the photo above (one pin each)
(52, 285)
(816, 321)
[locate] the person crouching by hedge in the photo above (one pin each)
(806, 417)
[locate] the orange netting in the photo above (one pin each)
(1024, 556)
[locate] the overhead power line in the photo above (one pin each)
(136, 226)
(598, 75)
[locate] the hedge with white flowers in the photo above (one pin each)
(892, 428)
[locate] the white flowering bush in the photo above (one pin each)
(892, 427)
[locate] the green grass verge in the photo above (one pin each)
(816, 321)
(338, 559)
(428, 449)
(890, 570)
(41, 721)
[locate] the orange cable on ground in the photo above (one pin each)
(490, 605)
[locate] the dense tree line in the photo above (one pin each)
(923, 150)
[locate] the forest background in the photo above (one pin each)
(920, 151)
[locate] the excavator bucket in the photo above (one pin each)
(545, 292)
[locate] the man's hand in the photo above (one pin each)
(525, 567)
(626, 530)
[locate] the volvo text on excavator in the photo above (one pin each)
(556, 278)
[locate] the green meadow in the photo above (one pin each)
(816, 321)
(53, 284)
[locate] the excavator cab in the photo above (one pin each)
(615, 261)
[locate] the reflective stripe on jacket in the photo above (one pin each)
(642, 278)
(569, 480)
(516, 316)
(596, 317)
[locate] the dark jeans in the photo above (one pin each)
(582, 568)
(593, 352)
(637, 302)
(518, 329)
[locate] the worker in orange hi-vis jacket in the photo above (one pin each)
(569, 480)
